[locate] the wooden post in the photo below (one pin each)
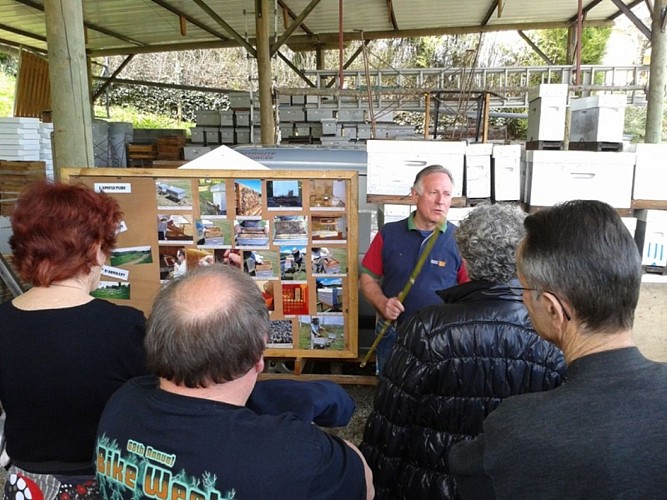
(262, 23)
(70, 96)
(485, 120)
(427, 114)
(657, 81)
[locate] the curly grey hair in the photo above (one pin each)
(488, 238)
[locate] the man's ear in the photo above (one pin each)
(259, 366)
(555, 311)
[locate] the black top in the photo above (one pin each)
(601, 434)
(58, 368)
(152, 442)
(450, 367)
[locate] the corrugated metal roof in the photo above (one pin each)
(131, 26)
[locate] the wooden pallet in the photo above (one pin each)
(596, 146)
(545, 145)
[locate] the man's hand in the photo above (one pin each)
(392, 309)
(389, 308)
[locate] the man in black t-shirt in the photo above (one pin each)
(185, 432)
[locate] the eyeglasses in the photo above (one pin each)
(518, 290)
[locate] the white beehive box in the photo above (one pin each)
(556, 176)
(393, 164)
(597, 118)
(550, 90)
(478, 170)
(650, 172)
(506, 172)
(546, 119)
(652, 231)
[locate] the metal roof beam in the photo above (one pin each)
(296, 70)
(239, 39)
(631, 6)
(490, 12)
(19, 45)
(351, 59)
(392, 14)
(112, 78)
(190, 19)
(121, 81)
(332, 38)
(26, 34)
(633, 18)
(537, 50)
(585, 11)
(292, 27)
(291, 14)
(104, 31)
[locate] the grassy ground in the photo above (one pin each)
(128, 114)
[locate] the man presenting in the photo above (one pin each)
(396, 248)
(185, 433)
(602, 433)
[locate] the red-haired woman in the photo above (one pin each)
(63, 352)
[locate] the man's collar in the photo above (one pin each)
(412, 227)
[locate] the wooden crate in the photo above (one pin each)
(169, 147)
(140, 155)
(14, 176)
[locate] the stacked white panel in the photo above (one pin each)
(19, 139)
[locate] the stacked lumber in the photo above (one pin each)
(169, 147)
(14, 176)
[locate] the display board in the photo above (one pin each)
(292, 231)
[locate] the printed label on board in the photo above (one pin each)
(113, 187)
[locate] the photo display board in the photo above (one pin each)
(291, 231)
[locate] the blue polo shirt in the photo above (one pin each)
(394, 252)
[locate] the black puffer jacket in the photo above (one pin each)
(450, 367)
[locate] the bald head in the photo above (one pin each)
(209, 326)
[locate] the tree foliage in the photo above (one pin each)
(554, 44)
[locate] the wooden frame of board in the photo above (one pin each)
(294, 232)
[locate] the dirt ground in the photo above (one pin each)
(650, 329)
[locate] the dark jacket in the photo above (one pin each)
(450, 367)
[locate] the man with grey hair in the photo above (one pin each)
(184, 432)
(602, 434)
(453, 363)
(396, 249)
